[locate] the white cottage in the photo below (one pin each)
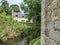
(19, 17)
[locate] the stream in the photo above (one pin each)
(19, 40)
(23, 42)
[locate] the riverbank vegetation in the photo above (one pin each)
(32, 42)
(33, 10)
(11, 30)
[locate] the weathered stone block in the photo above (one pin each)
(50, 26)
(53, 5)
(55, 35)
(57, 25)
(43, 37)
(53, 42)
(54, 15)
(52, 22)
(48, 41)
(49, 15)
(58, 43)
(58, 1)
(58, 13)
(48, 2)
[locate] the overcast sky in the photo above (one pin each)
(18, 2)
(15, 2)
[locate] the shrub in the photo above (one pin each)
(8, 26)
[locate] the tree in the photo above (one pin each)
(1, 9)
(24, 7)
(15, 8)
(33, 8)
(5, 6)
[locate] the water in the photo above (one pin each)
(23, 42)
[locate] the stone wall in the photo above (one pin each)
(50, 23)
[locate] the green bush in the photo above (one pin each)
(7, 25)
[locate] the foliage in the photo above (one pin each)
(1, 9)
(10, 28)
(5, 6)
(38, 43)
(24, 7)
(34, 40)
(15, 8)
(32, 8)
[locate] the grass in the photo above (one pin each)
(10, 28)
(34, 40)
(38, 42)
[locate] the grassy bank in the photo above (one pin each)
(10, 28)
(32, 42)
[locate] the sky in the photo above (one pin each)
(15, 2)
(18, 2)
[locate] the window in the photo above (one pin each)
(16, 15)
(22, 16)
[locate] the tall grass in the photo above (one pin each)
(10, 28)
